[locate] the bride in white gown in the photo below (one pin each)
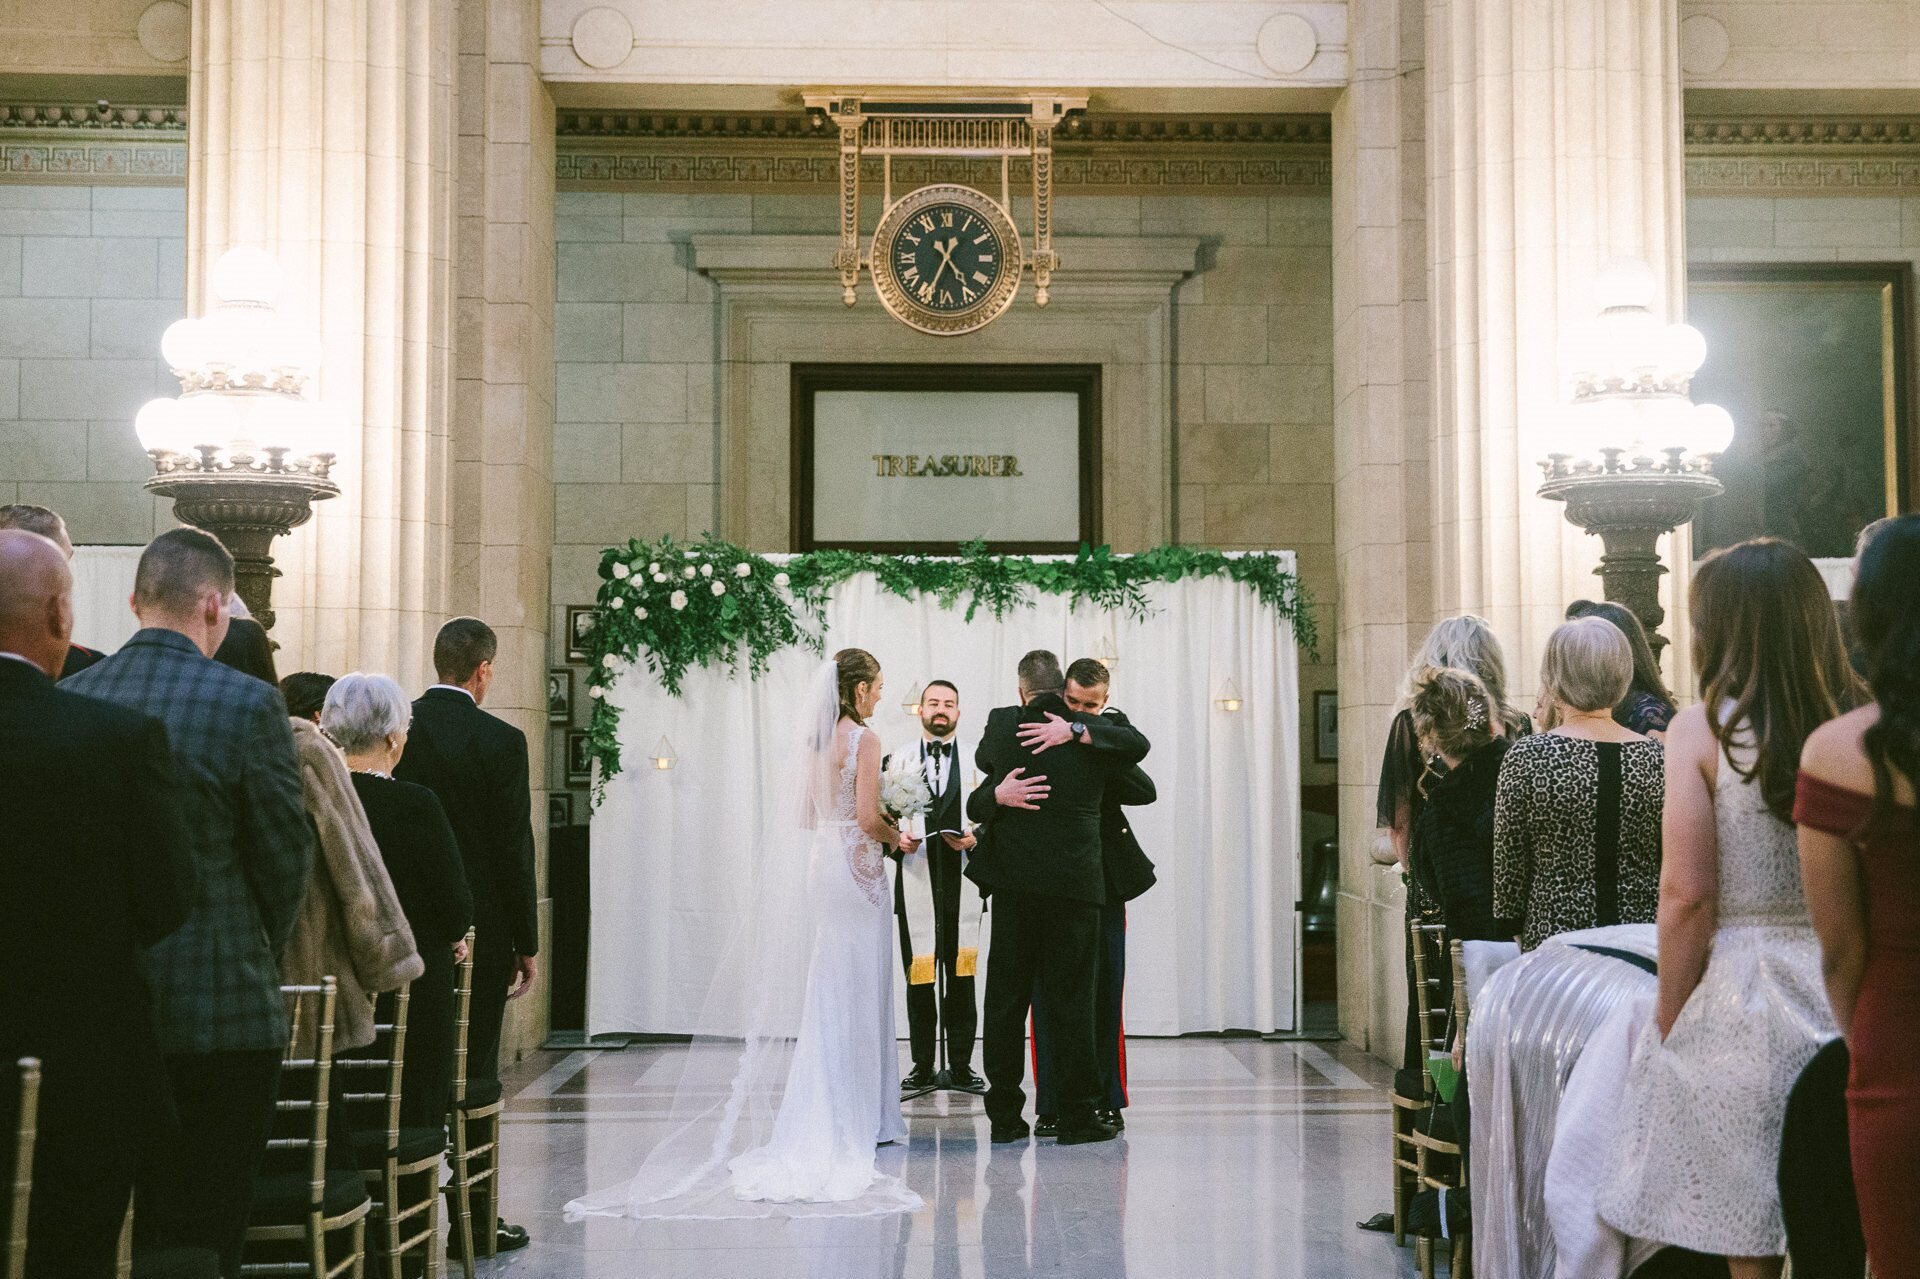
(796, 1131)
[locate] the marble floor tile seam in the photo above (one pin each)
(1222, 1091)
(1133, 1121)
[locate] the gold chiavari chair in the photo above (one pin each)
(1412, 1098)
(25, 1129)
(1439, 1151)
(401, 1165)
(299, 1205)
(475, 1124)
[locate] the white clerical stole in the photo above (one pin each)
(916, 886)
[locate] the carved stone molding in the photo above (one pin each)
(84, 142)
(1811, 156)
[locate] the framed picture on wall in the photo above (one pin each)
(579, 757)
(560, 808)
(579, 623)
(920, 458)
(1326, 727)
(560, 695)
(1814, 362)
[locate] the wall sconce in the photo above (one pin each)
(1108, 654)
(1229, 699)
(911, 702)
(663, 756)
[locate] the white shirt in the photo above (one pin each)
(937, 773)
(16, 657)
(454, 688)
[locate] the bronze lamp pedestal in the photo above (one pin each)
(246, 509)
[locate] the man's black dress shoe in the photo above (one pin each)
(917, 1080)
(1012, 1130)
(1111, 1118)
(506, 1238)
(1046, 1125)
(1087, 1130)
(961, 1077)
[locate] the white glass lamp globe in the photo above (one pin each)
(158, 426)
(1624, 282)
(183, 345)
(246, 275)
(1683, 348)
(1711, 429)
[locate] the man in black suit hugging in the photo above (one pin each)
(1045, 870)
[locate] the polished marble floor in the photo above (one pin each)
(1241, 1157)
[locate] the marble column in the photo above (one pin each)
(1554, 144)
(502, 428)
(323, 133)
(1382, 360)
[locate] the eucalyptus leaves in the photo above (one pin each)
(676, 606)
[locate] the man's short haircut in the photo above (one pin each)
(461, 646)
(1039, 672)
(180, 566)
(1088, 673)
(941, 683)
(35, 519)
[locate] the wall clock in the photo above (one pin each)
(946, 259)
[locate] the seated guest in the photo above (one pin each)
(48, 524)
(1648, 706)
(1576, 828)
(1696, 1155)
(306, 693)
(223, 1027)
(368, 716)
(1458, 723)
(94, 864)
(1858, 835)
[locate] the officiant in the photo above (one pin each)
(939, 909)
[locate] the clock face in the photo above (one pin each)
(946, 259)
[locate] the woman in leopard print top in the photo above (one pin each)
(1577, 811)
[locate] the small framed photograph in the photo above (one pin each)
(1326, 726)
(560, 695)
(579, 757)
(560, 808)
(579, 623)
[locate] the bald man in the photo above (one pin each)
(94, 866)
(48, 524)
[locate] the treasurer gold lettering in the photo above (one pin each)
(957, 465)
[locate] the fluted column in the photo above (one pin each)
(1554, 144)
(323, 132)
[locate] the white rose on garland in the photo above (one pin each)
(706, 570)
(678, 600)
(742, 569)
(719, 588)
(597, 692)
(654, 568)
(659, 577)
(639, 614)
(780, 580)
(621, 572)
(687, 572)
(616, 602)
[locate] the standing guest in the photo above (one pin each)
(306, 693)
(48, 524)
(368, 716)
(246, 648)
(1858, 838)
(476, 764)
(1044, 868)
(1648, 707)
(95, 864)
(1128, 873)
(1697, 1154)
(217, 980)
(938, 908)
(1459, 724)
(1576, 826)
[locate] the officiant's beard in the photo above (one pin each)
(940, 726)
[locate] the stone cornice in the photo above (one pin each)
(1815, 155)
(1813, 133)
(84, 143)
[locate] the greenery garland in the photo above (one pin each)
(675, 606)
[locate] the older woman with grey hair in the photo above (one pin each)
(368, 717)
(1576, 824)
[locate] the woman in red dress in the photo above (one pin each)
(1860, 859)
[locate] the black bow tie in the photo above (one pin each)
(937, 749)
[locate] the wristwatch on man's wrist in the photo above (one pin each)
(1079, 732)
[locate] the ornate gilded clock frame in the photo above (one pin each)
(902, 125)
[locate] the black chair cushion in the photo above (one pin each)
(176, 1263)
(370, 1146)
(481, 1093)
(283, 1198)
(1410, 1084)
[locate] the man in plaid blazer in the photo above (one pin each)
(216, 981)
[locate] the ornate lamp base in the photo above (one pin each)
(1630, 510)
(246, 512)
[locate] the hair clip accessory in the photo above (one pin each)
(1476, 713)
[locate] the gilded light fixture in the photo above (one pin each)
(245, 450)
(1229, 698)
(663, 757)
(1635, 457)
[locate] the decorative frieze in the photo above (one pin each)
(96, 143)
(1812, 156)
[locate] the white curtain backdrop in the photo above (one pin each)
(1211, 947)
(102, 581)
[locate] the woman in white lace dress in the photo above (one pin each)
(800, 1013)
(1742, 1009)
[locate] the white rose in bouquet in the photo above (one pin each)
(678, 599)
(903, 788)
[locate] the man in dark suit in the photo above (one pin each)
(477, 764)
(217, 979)
(1129, 873)
(48, 524)
(1044, 867)
(935, 906)
(94, 865)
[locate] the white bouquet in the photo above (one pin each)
(903, 790)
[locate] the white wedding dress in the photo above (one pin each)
(795, 1133)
